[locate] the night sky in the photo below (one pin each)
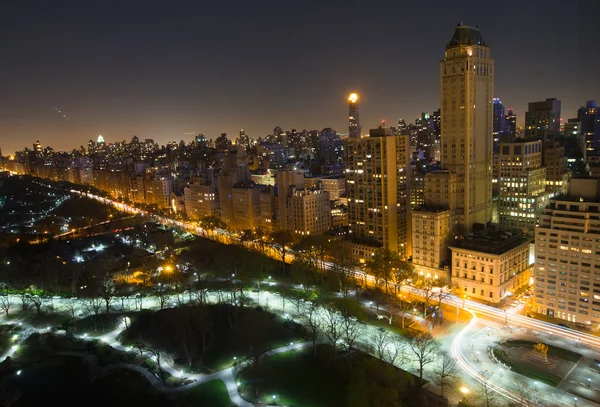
(163, 69)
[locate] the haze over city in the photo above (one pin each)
(361, 204)
(73, 70)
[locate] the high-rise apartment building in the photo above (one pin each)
(353, 118)
(201, 199)
(567, 255)
(467, 89)
(245, 198)
(433, 224)
(522, 181)
(377, 190)
(309, 212)
(589, 116)
(542, 119)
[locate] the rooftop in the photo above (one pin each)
(492, 241)
(431, 208)
(465, 35)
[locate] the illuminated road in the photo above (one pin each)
(482, 310)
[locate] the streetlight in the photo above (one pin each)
(465, 390)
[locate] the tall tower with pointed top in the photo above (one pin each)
(466, 100)
(353, 121)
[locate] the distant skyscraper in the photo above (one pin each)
(467, 89)
(37, 148)
(542, 119)
(499, 127)
(353, 119)
(589, 116)
(511, 123)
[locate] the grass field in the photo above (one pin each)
(525, 370)
(560, 353)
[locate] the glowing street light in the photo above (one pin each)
(465, 390)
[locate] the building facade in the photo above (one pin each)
(377, 185)
(467, 89)
(567, 255)
(490, 265)
(522, 183)
(309, 212)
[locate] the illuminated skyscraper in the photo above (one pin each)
(467, 89)
(499, 128)
(353, 120)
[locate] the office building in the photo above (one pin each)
(467, 89)
(377, 190)
(542, 119)
(567, 255)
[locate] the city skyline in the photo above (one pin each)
(164, 75)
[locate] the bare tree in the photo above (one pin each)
(37, 301)
(93, 305)
(108, 290)
(310, 318)
(390, 272)
(425, 349)
(396, 351)
(5, 303)
(352, 330)
(152, 347)
(379, 342)
(331, 323)
(282, 238)
(445, 370)
(488, 395)
(443, 292)
(342, 268)
(162, 293)
(428, 291)
(528, 397)
(70, 310)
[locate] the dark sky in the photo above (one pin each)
(160, 69)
